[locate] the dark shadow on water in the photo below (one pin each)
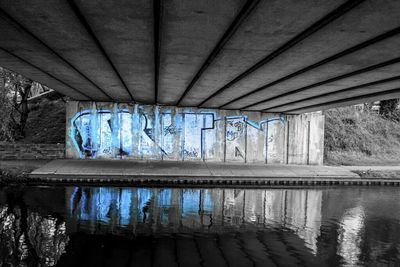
(110, 226)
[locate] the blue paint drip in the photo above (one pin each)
(111, 132)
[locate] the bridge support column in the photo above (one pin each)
(103, 130)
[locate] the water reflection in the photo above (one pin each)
(100, 226)
(30, 239)
(144, 210)
(350, 236)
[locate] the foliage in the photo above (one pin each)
(46, 124)
(14, 110)
(388, 107)
(355, 136)
(5, 109)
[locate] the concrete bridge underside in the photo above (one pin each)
(268, 55)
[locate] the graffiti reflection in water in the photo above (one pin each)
(186, 210)
(109, 226)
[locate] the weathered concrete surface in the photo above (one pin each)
(369, 56)
(105, 169)
(348, 101)
(55, 24)
(33, 72)
(260, 35)
(190, 32)
(363, 23)
(197, 174)
(20, 43)
(338, 92)
(105, 51)
(123, 131)
(125, 31)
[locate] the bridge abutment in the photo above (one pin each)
(106, 130)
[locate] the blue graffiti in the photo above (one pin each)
(110, 133)
(258, 125)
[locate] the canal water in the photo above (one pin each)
(111, 226)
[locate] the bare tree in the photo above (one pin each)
(6, 132)
(22, 107)
(388, 107)
(14, 108)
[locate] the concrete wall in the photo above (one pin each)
(10, 151)
(123, 131)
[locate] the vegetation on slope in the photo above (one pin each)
(361, 137)
(46, 123)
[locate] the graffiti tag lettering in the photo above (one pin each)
(120, 132)
(191, 153)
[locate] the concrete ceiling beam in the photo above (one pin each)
(348, 51)
(16, 64)
(191, 30)
(390, 94)
(234, 54)
(158, 21)
(364, 60)
(258, 36)
(347, 6)
(371, 22)
(58, 29)
(119, 80)
(125, 30)
(243, 14)
(29, 47)
(373, 87)
(285, 97)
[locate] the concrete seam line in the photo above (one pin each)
(87, 27)
(340, 77)
(383, 81)
(383, 93)
(345, 52)
(50, 75)
(158, 10)
(246, 10)
(53, 51)
(333, 15)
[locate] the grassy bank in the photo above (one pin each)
(46, 123)
(378, 174)
(356, 137)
